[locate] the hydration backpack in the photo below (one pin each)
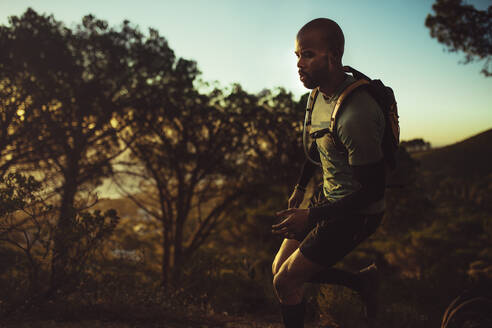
(385, 98)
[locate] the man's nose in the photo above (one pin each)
(300, 62)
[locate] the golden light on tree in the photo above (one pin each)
(114, 123)
(263, 145)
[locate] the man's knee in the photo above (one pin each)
(280, 283)
(284, 279)
(286, 249)
(276, 265)
(280, 258)
(287, 289)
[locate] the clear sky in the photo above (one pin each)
(251, 42)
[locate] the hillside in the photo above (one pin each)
(467, 159)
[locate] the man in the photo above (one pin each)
(350, 204)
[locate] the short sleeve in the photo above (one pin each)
(360, 129)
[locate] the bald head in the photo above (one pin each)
(329, 32)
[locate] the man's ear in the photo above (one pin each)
(333, 60)
(330, 59)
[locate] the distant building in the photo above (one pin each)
(415, 145)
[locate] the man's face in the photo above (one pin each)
(313, 59)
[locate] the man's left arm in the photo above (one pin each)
(371, 178)
(361, 132)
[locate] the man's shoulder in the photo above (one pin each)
(360, 105)
(360, 128)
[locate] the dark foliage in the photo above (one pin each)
(461, 27)
(27, 243)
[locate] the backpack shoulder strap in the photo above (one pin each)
(312, 99)
(341, 98)
(307, 122)
(358, 75)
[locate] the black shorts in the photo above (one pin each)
(331, 239)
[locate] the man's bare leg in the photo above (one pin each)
(286, 249)
(288, 284)
(289, 280)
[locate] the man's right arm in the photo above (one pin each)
(308, 168)
(307, 172)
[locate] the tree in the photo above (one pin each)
(184, 161)
(200, 156)
(461, 27)
(79, 91)
(72, 86)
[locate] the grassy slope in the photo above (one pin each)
(470, 158)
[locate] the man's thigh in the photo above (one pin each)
(298, 269)
(331, 240)
(286, 249)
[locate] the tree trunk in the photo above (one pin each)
(166, 233)
(33, 288)
(64, 229)
(178, 247)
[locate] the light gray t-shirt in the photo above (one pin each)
(360, 129)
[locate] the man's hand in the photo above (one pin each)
(294, 222)
(296, 198)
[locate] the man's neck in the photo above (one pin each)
(329, 87)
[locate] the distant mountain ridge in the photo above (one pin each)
(470, 158)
